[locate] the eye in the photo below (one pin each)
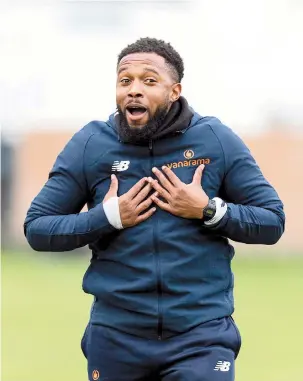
(125, 81)
(150, 80)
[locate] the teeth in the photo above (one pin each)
(140, 109)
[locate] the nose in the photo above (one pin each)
(135, 90)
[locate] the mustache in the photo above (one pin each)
(134, 103)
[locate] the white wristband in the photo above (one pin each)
(112, 212)
(221, 209)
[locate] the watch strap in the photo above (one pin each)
(221, 209)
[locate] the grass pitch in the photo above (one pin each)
(44, 313)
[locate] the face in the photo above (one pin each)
(145, 89)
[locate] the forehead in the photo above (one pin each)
(143, 60)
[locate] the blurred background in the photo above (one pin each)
(243, 64)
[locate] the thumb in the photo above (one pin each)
(198, 175)
(113, 188)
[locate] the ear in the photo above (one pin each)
(175, 92)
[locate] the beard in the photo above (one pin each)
(143, 134)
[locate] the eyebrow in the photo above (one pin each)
(151, 70)
(146, 69)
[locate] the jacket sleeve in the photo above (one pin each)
(255, 212)
(54, 221)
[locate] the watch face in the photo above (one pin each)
(210, 212)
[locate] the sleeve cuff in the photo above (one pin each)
(112, 212)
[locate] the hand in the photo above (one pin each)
(183, 200)
(132, 203)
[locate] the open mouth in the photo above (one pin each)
(135, 112)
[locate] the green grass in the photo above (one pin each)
(44, 313)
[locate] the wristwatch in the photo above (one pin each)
(210, 210)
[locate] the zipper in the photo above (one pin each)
(158, 273)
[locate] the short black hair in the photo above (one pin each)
(160, 47)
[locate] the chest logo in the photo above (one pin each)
(222, 366)
(189, 154)
(95, 375)
(188, 163)
(119, 166)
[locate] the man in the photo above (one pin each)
(165, 188)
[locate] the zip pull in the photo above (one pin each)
(150, 145)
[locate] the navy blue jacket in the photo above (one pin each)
(167, 274)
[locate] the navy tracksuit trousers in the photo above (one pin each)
(205, 353)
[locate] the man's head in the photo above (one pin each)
(149, 73)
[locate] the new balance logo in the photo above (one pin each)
(119, 166)
(222, 366)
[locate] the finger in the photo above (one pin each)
(136, 188)
(162, 192)
(145, 216)
(198, 175)
(113, 189)
(174, 179)
(163, 180)
(142, 194)
(163, 205)
(144, 205)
